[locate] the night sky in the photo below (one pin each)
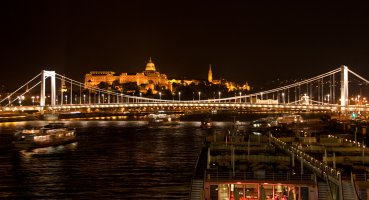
(243, 40)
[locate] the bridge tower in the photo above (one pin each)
(344, 86)
(44, 75)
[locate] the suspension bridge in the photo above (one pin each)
(326, 92)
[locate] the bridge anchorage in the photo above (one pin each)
(314, 94)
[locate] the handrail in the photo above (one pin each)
(353, 183)
(194, 172)
(309, 160)
(329, 186)
(227, 175)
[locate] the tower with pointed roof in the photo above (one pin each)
(210, 75)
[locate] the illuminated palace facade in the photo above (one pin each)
(147, 79)
(152, 79)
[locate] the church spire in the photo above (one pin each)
(210, 75)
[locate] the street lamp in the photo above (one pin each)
(358, 99)
(33, 100)
(66, 99)
(328, 99)
(240, 93)
(160, 95)
(84, 99)
(103, 98)
(358, 104)
(219, 95)
(283, 99)
(199, 96)
(179, 96)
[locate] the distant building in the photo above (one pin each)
(153, 80)
(94, 78)
(210, 75)
(231, 86)
(147, 79)
(184, 82)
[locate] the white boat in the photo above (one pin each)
(163, 119)
(52, 134)
(289, 119)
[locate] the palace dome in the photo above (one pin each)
(150, 66)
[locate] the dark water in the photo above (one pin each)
(112, 159)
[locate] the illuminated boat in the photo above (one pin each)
(163, 119)
(52, 134)
(289, 119)
(206, 123)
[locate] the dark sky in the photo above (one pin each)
(252, 41)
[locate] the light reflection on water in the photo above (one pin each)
(49, 150)
(111, 159)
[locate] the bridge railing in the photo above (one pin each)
(320, 168)
(212, 175)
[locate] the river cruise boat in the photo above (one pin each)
(163, 119)
(206, 123)
(289, 119)
(52, 134)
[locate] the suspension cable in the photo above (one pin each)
(20, 87)
(357, 75)
(23, 93)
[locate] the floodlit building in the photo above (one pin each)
(147, 79)
(231, 86)
(151, 79)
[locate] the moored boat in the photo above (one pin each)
(52, 134)
(163, 119)
(289, 119)
(206, 123)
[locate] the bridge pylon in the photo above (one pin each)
(44, 75)
(344, 87)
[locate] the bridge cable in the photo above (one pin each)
(23, 93)
(291, 85)
(20, 88)
(357, 75)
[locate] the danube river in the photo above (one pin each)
(111, 159)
